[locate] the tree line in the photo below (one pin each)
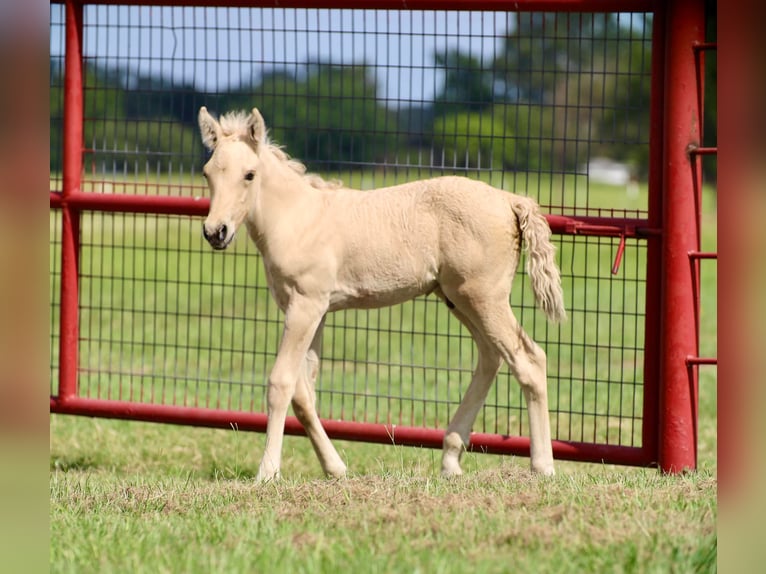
(544, 102)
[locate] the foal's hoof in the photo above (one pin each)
(544, 469)
(262, 478)
(451, 469)
(454, 446)
(336, 472)
(450, 474)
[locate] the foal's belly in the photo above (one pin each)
(383, 273)
(369, 296)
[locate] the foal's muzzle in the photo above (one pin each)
(218, 238)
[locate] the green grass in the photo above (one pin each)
(134, 497)
(137, 497)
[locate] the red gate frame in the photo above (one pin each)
(671, 230)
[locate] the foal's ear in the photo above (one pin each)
(209, 128)
(256, 127)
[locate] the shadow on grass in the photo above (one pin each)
(77, 463)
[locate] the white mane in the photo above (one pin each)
(235, 124)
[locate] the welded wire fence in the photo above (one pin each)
(525, 101)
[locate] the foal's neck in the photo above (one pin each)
(284, 203)
(279, 180)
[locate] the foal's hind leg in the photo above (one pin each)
(304, 406)
(458, 434)
(527, 362)
(498, 334)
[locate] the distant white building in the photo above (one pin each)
(604, 170)
(611, 172)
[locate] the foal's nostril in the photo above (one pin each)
(218, 234)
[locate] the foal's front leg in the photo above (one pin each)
(304, 406)
(302, 319)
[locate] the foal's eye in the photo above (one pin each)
(250, 175)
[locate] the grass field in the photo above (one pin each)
(135, 497)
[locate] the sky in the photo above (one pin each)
(220, 48)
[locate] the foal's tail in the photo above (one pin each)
(541, 263)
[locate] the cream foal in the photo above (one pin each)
(326, 248)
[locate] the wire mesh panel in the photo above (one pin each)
(555, 106)
(55, 299)
(163, 321)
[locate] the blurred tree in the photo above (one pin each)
(604, 110)
(135, 123)
(542, 47)
(330, 118)
(469, 140)
(503, 136)
(530, 136)
(141, 146)
(467, 85)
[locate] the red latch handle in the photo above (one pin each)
(618, 256)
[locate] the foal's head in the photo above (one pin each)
(233, 173)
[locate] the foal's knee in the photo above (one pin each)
(530, 370)
(301, 409)
(281, 392)
(304, 404)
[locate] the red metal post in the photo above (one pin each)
(685, 28)
(72, 174)
(652, 321)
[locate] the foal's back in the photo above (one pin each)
(425, 209)
(395, 243)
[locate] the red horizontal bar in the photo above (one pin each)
(705, 46)
(701, 360)
(702, 255)
(490, 5)
(703, 151)
(560, 224)
(342, 430)
(601, 226)
(132, 203)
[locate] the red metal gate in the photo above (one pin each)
(148, 324)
